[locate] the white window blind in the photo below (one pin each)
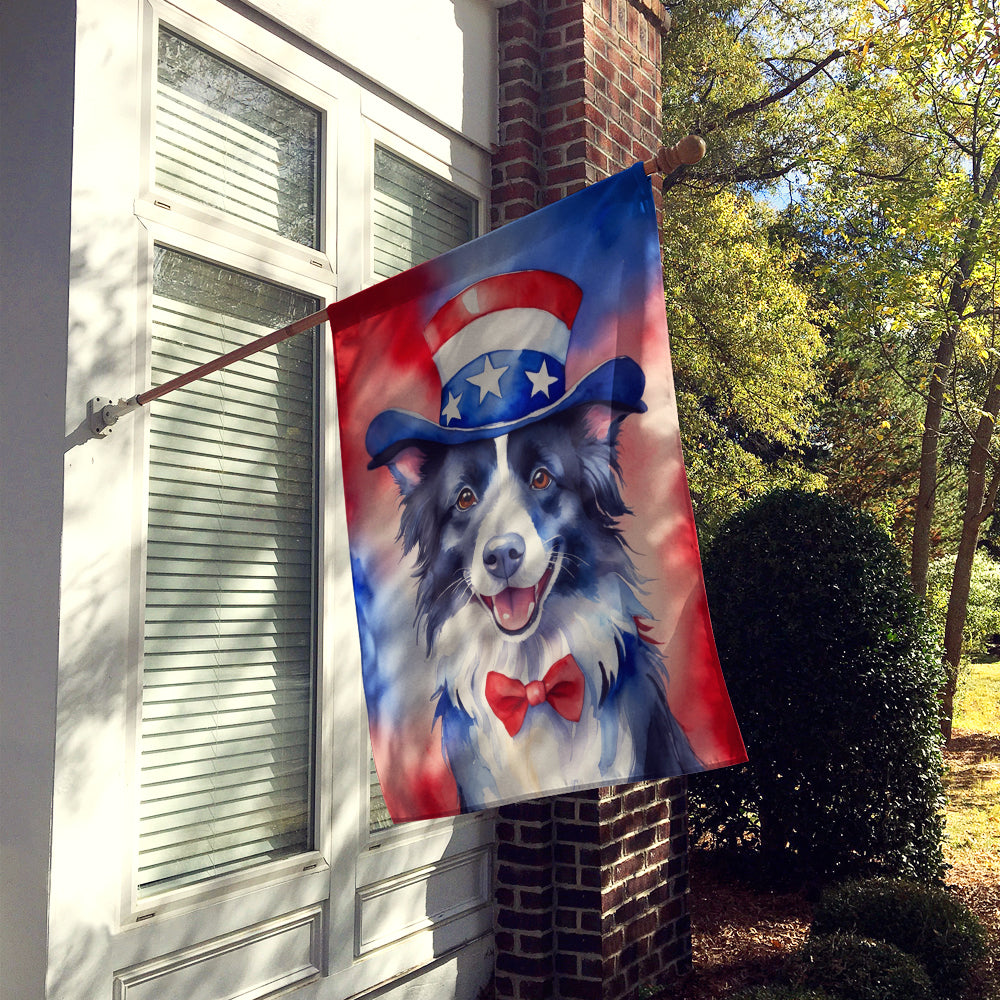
(228, 140)
(416, 216)
(228, 660)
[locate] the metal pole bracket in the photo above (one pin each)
(103, 413)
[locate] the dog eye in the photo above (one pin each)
(466, 499)
(541, 479)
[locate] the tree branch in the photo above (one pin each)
(754, 106)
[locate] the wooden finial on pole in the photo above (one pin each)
(688, 151)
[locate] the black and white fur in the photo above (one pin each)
(535, 510)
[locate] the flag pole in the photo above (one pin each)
(687, 152)
(103, 414)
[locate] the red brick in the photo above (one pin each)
(563, 53)
(552, 117)
(520, 130)
(567, 174)
(510, 152)
(520, 876)
(520, 965)
(521, 91)
(575, 941)
(581, 989)
(571, 14)
(518, 111)
(642, 882)
(599, 105)
(518, 49)
(567, 133)
(522, 920)
(532, 944)
(554, 77)
(567, 964)
(534, 990)
(530, 899)
(643, 926)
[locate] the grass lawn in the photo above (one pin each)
(974, 770)
(973, 811)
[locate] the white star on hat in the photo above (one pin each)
(488, 380)
(451, 411)
(541, 380)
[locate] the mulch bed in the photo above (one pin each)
(741, 935)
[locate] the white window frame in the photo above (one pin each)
(350, 874)
(180, 224)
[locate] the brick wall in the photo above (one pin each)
(591, 893)
(579, 96)
(591, 889)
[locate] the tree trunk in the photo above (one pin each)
(920, 554)
(958, 299)
(979, 503)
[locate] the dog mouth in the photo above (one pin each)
(516, 609)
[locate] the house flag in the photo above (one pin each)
(525, 567)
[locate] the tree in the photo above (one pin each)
(912, 190)
(878, 121)
(747, 352)
(746, 75)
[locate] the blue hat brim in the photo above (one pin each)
(618, 382)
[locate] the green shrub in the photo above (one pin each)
(856, 968)
(833, 673)
(925, 922)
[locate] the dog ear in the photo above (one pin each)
(599, 458)
(602, 422)
(406, 467)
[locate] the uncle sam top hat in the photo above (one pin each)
(500, 349)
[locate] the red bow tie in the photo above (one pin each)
(561, 687)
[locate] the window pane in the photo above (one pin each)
(228, 658)
(416, 217)
(228, 140)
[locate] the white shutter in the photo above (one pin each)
(228, 660)
(415, 217)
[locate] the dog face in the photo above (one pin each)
(503, 524)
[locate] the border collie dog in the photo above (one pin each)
(527, 602)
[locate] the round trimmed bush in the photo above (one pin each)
(926, 922)
(856, 968)
(833, 672)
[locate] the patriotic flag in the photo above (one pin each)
(525, 566)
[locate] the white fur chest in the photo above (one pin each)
(548, 751)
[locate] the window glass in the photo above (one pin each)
(228, 140)
(228, 680)
(416, 216)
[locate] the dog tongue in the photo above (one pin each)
(513, 607)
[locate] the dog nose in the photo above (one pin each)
(503, 555)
